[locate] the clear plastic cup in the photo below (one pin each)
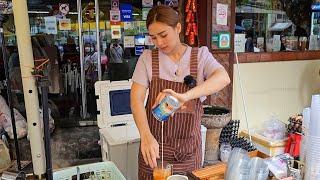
(315, 115)
(225, 151)
(160, 173)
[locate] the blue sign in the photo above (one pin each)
(138, 50)
(126, 12)
(315, 7)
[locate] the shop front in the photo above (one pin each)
(82, 48)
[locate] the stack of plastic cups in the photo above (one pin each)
(305, 130)
(238, 165)
(258, 169)
(312, 170)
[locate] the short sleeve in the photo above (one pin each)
(140, 74)
(210, 64)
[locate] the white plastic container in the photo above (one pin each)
(102, 170)
(203, 137)
(119, 136)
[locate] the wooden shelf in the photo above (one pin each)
(277, 56)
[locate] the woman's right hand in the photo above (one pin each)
(150, 150)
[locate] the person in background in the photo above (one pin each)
(163, 72)
(249, 47)
(116, 52)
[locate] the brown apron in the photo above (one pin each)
(182, 135)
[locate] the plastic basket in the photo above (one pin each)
(102, 170)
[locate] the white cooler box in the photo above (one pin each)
(119, 136)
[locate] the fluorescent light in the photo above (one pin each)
(46, 12)
(38, 12)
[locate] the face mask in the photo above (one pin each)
(87, 49)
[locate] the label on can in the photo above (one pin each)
(165, 108)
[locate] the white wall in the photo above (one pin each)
(280, 88)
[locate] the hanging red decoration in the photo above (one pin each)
(191, 22)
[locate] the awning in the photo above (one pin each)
(280, 26)
(253, 10)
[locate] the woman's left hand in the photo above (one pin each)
(182, 98)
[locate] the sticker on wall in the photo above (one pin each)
(64, 24)
(115, 32)
(138, 50)
(139, 40)
(214, 40)
(51, 24)
(130, 29)
(126, 12)
(224, 40)
(115, 4)
(222, 14)
(114, 16)
(172, 3)
(128, 41)
(145, 12)
(143, 27)
(147, 3)
(239, 42)
(64, 8)
(148, 41)
(246, 23)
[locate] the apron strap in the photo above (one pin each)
(194, 62)
(155, 63)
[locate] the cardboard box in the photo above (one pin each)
(265, 145)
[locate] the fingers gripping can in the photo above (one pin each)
(165, 108)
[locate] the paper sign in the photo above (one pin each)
(145, 12)
(126, 12)
(276, 43)
(115, 16)
(239, 42)
(64, 24)
(115, 32)
(148, 41)
(130, 28)
(222, 14)
(172, 3)
(313, 42)
(51, 24)
(115, 4)
(64, 8)
(260, 43)
(128, 41)
(147, 3)
(214, 40)
(139, 50)
(139, 40)
(143, 27)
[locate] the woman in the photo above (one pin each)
(162, 71)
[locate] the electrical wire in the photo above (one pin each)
(244, 103)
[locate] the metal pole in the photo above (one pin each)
(98, 38)
(83, 85)
(9, 93)
(30, 91)
(44, 84)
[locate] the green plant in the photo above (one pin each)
(298, 11)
